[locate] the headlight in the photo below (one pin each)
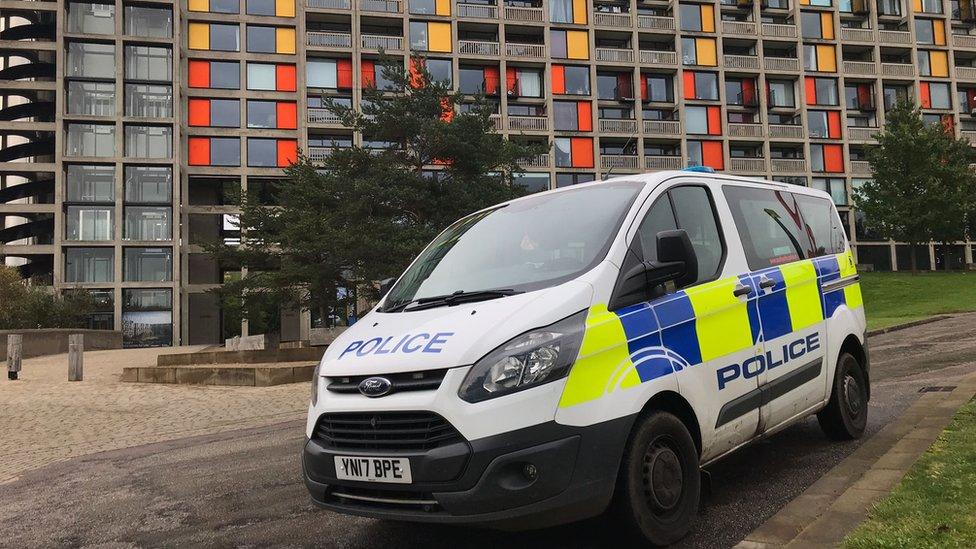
(315, 383)
(533, 358)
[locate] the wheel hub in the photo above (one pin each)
(663, 481)
(852, 395)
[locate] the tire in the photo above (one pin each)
(659, 484)
(846, 413)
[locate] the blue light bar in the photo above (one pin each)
(700, 169)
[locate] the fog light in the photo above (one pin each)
(530, 471)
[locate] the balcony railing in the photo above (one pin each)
(496, 122)
(651, 57)
(788, 165)
(628, 127)
(528, 123)
(477, 47)
(863, 68)
(662, 162)
(477, 10)
(617, 20)
(774, 30)
(618, 161)
(966, 73)
(318, 115)
(781, 64)
(615, 55)
(745, 130)
(894, 37)
(319, 154)
(897, 70)
(749, 62)
(384, 6)
(387, 43)
(964, 41)
(739, 28)
(653, 22)
(750, 165)
(860, 167)
(861, 134)
(537, 161)
(330, 4)
(662, 127)
(857, 35)
(783, 131)
(537, 51)
(970, 135)
(329, 39)
(524, 15)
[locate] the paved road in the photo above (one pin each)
(242, 488)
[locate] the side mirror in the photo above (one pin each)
(385, 286)
(640, 280)
(675, 247)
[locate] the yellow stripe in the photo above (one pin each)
(722, 319)
(802, 295)
(852, 293)
(603, 351)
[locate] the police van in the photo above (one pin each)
(590, 349)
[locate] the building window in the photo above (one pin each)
(569, 44)
(701, 85)
(214, 36)
(574, 152)
(148, 63)
(148, 184)
(827, 158)
(933, 63)
(319, 73)
(147, 264)
(824, 124)
(567, 179)
(820, 57)
(430, 7)
(214, 74)
(147, 223)
(836, 187)
(89, 60)
(149, 141)
(148, 22)
(430, 36)
(272, 114)
(214, 151)
(91, 98)
(781, 93)
(90, 140)
(821, 91)
(698, 17)
(90, 183)
(699, 51)
(532, 182)
(220, 113)
(261, 39)
(570, 80)
(147, 317)
(90, 223)
(90, 18)
(271, 153)
(89, 265)
(272, 77)
(573, 115)
(567, 11)
(817, 24)
(706, 153)
(703, 120)
(935, 95)
(149, 100)
(658, 88)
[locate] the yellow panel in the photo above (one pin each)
(439, 37)
(198, 5)
(603, 358)
(722, 319)
(918, 6)
(579, 12)
(802, 293)
(827, 25)
(708, 18)
(807, 2)
(577, 46)
(852, 293)
(938, 30)
(826, 58)
(199, 36)
(285, 8)
(705, 52)
(939, 61)
(285, 40)
(442, 7)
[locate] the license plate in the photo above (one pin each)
(373, 469)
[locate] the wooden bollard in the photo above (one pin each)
(15, 352)
(76, 352)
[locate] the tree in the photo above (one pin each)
(23, 306)
(360, 214)
(922, 182)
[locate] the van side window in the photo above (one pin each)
(825, 235)
(659, 218)
(688, 208)
(769, 225)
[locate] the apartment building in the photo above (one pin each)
(128, 126)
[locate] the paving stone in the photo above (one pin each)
(880, 479)
(831, 527)
(856, 500)
(897, 460)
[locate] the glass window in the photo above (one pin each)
(148, 184)
(781, 93)
(423, 7)
(565, 115)
(146, 299)
(149, 100)
(147, 328)
(224, 6)
(817, 121)
(91, 98)
(826, 89)
(810, 24)
(261, 114)
(87, 18)
(149, 141)
(659, 218)
(834, 186)
(562, 146)
(606, 86)
(319, 73)
(770, 235)
(89, 265)
(225, 37)
(261, 39)
(418, 35)
(561, 11)
(91, 60)
(261, 76)
(532, 182)
(90, 140)
(147, 223)
(148, 22)
(262, 153)
(529, 83)
(225, 151)
(696, 120)
(147, 264)
(88, 223)
(924, 31)
(226, 75)
(706, 86)
(660, 88)
(940, 95)
(577, 80)
(440, 70)
(567, 179)
(695, 214)
(471, 80)
(261, 7)
(148, 63)
(90, 183)
(225, 113)
(691, 17)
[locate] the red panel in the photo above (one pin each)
(369, 73)
(712, 155)
(625, 85)
(447, 110)
(199, 151)
(584, 116)
(643, 85)
(287, 115)
(833, 158)
(833, 125)
(689, 78)
(714, 120)
(558, 79)
(582, 152)
(970, 99)
(864, 96)
(199, 74)
(344, 74)
(492, 80)
(198, 112)
(749, 92)
(811, 90)
(287, 152)
(416, 74)
(511, 80)
(285, 78)
(949, 123)
(923, 89)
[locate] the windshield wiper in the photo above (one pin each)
(455, 298)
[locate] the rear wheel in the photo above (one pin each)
(846, 413)
(659, 485)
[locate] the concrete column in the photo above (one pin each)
(14, 355)
(76, 354)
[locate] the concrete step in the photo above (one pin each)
(247, 375)
(216, 357)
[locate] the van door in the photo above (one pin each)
(792, 372)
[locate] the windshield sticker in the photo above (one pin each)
(410, 343)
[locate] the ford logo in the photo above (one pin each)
(375, 386)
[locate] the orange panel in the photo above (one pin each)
(287, 152)
(199, 74)
(369, 73)
(833, 158)
(447, 110)
(714, 120)
(689, 78)
(198, 112)
(199, 151)
(582, 152)
(926, 97)
(416, 74)
(712, 155)
(584, 116)
(833, 124)
(811, 85)
(511, 80)
(344, 74)
(492, 79)
(558, 79)
(287, 114)
(285, 78)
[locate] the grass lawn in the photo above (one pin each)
(935, 504)
(896, 298)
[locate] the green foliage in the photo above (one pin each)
(361, 214)
(29, 307)
(922, 188)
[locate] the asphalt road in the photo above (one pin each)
(243, 488)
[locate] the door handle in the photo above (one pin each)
(767, 283)
(741, 290)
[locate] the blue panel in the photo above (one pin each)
(653, 368)
(683, 340)
(674, 309)
(637, 320)
(832, 300)
(827, 270)
(774, 310)
(752, 307)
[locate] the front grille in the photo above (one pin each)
(385, 431)
(372, 498)
(427, 380)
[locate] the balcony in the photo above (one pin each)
(614, 55)
(861, 134)
(477, 11)
(319, 154)
(857, 35)
(662, 127)
(618, 162)
(653, 22)
(662, 163)
(386, 43)
(862, 68)
(382, 6)
(477, 47)
(496, 122)
(897, 70)
(966, 73)
(615, 20)
(653, 57)
(772, 30)
(788, 165)
(742, 62)
(537, 161)
(524, 15)
(971, 136)
(608, 125)
(746, 130)
(783, 131)
(329, 39)
(739, 28)
(747, 165)
(530, 51)
(966, 41)
(529, 123)
(329, 4)
(786, 64)
(321, 116)
(895, 37)
(861, 167)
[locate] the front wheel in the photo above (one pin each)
(846, 414)
(660, 483)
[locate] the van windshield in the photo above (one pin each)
(526, 245)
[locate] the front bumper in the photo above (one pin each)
(483, 481)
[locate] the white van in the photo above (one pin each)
(590, 349)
